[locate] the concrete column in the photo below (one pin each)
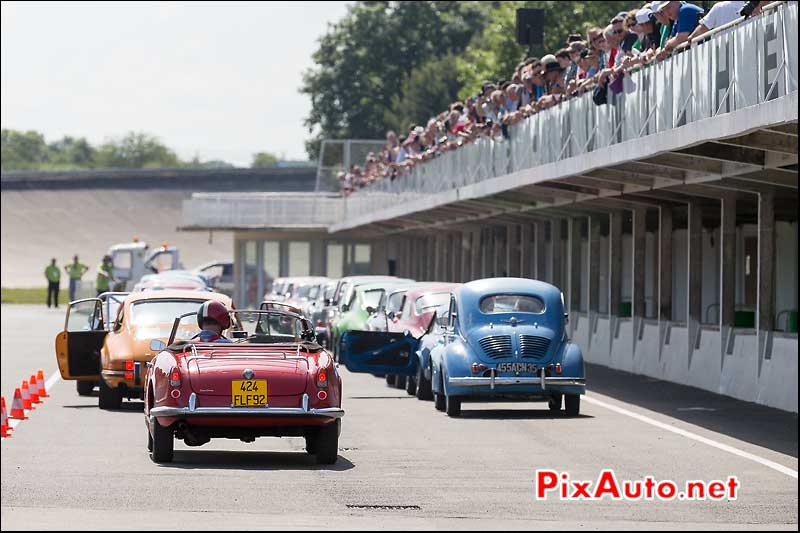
(492, 251)
(466, 263)
(500, 267)
(665, 264)
(430, 269)
(486, 252)
(727, 285)
(766, 274)
(476, 253)
(594, 267)
(539, 250)
(615, 262)
(574, 267)
(555, 242)
(513, 250)
(526, 250)
(695, 284)
(639, 250)
(455, 255)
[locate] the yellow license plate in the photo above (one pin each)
(249, 392)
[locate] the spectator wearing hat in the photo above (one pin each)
(553, 74)
(720, 14)
(685, 18)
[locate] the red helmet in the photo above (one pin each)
(216, 311)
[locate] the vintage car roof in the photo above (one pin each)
(171, 294)
(470, 294)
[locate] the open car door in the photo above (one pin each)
(78, 346)
(378, 352)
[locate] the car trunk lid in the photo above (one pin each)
(213, 376)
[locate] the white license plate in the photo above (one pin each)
(517, 367)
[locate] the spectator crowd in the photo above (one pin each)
(596, 62)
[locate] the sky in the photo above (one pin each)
(216, 80)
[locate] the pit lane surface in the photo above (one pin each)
(402, 465)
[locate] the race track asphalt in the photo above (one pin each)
(402, 465)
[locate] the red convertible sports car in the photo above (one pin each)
(269, 378)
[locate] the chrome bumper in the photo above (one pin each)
(494, 381)
(268, 412)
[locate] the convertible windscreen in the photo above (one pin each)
(512, 303)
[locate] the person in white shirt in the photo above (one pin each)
(719, 15)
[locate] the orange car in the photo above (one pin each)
(116, 356)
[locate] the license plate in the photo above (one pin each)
(249, 392)
(517, 367)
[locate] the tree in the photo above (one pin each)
(22, 150)
(136, 150)
(70, 152)
(494, 53)
(428, 91)
(264, 160)
(364, 59)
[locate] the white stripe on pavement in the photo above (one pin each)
(52, 380)
(689, 435)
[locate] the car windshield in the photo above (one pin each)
(372, 298)
(512, 303)
(154, 312)
(313, 292)
(432, 301)
(302, 292)
(261, 327)
(395, 302)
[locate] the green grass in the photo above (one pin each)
(31, 295)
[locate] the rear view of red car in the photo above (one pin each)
(269, 379)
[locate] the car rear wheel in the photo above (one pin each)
(326, 445)
(149, 441)
(572, 404)
(400, 382)
(163, 443)
(439, 399)
(310, 444)
(554, 403)
(85, 388)
(390, 380)
(423, 385)
(109, 398)
(452, 406)
(411, 386)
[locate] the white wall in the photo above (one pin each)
(785, 269)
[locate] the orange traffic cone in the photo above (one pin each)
(34, 390)
(26, 396)
(17, 410)
(5, 429)
(40, 381)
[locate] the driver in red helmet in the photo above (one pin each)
(213, 319)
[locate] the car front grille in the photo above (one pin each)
(496, 347)
(533, 347)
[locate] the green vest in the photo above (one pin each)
(76, 270)
(52, 273)
(101, 282)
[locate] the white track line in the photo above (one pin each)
(689, 435)
(52, 380)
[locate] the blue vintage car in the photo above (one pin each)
(504, 339)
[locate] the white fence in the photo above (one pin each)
(243, 210)
(744, 65)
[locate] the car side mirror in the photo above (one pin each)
(327, 302)
(157, 345)
(370, 309)
(390, 315)
(345, 308)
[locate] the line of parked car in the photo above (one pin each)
(487, 340)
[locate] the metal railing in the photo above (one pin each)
(747, 63)
(245, 210)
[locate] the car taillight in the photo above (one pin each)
(128, 365)
(558, 368)
(322, 378)
(175, 378)
(128, 375)
(320, 324)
